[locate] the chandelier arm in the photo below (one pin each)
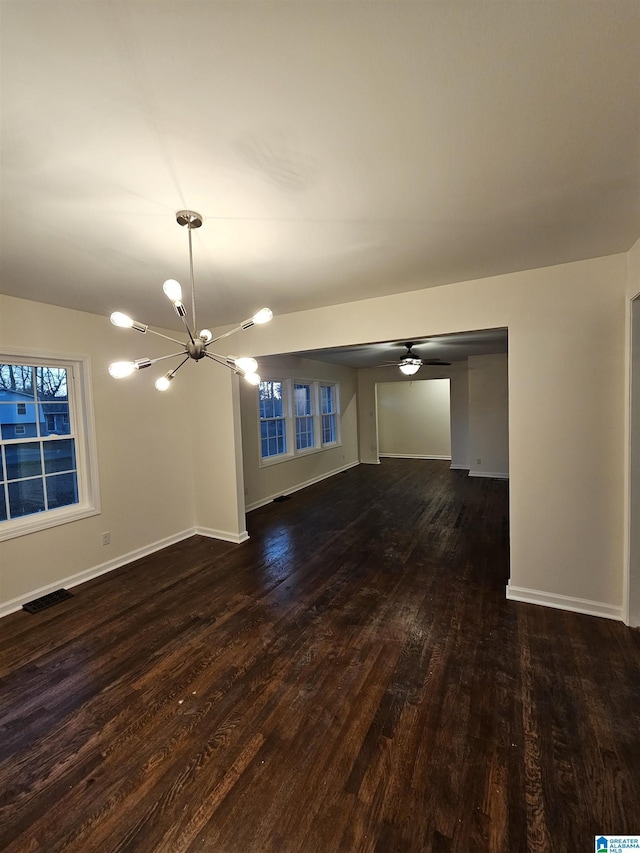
(225, 335)
(166, 337)
(176, 369)
(186, 325)
(173, 355)
(221, 360)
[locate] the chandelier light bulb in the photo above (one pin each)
(205, 335)
(163, 382)
(172, 290)
(409, 369)
(252, 378)
(246, 365)
(120, 319)
(120, 369)
(262, 316)
(125, 322)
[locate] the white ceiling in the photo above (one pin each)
(337, 151)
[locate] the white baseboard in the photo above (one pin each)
(94, 572)
(459, 467)
(299, 486)
(496, 475)
(236, 538)
(102, 569)
(410, 456)
(564, 602)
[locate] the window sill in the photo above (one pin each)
(299, 454)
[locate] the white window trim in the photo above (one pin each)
(290, 419)
(81, 410)
(336, 402)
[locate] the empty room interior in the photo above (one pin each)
(319, 426)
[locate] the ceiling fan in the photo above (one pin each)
(410, 362)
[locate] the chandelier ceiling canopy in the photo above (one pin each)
(198, 343)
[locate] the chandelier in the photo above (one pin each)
(197, 345)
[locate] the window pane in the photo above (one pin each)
(23, 460)
(17, 430)
(302, 399)
(54, 419)
(273, 437)
(51, 383)
(304, 433)
(327, 399)
(59, 455)
(266, 408)
(26, 497)
(17, 378)
(270, 396)
(16, 409)
(62, 490)
(328, 429)
(3, 505)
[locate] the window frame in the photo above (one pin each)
(336, 442)
(311, 417)
(286, 403)
(80, 402)
(289, 412)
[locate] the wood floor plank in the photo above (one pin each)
(350, 679)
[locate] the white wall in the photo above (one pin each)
(368, 381)
(414, 418)
(488, 378)
(567, 421)
(633, 515)
(212, 417)
(566, 409)
(459, 394)
(144, 451)
(262, 484)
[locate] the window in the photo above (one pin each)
(47, 467)
(328, 413)
(273, 434)
(297, 417)
(304, 416)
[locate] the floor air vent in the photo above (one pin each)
(281, 498)
(45, 601)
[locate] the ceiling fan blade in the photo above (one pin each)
(436, 362)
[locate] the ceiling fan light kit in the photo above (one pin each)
(410, 363)
(197, 345)
(409, 366)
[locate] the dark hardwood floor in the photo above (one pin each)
(350, 679)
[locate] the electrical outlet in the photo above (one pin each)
(478, 461)
(106, 538)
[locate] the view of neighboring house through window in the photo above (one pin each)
(41, 440)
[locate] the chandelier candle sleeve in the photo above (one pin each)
(196, 347)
